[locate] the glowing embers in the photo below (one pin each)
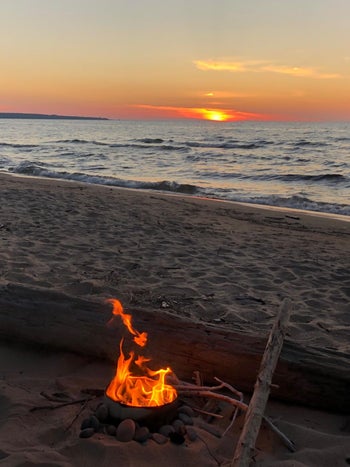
(134, 384)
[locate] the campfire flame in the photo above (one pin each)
(147, 390)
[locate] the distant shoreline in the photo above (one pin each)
(47, 116)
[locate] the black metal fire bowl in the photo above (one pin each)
(152, 417)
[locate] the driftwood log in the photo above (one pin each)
(309, 376)
(253, 418)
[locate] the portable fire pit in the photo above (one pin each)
(152, 417)
(136, 391)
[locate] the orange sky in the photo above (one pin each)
(219, 60)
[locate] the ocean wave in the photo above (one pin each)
(293, 202)
(164, 147)
(19, 146)
(143, 143)
(342, 139)
(226, 145)
(80, 141)
(331, 177)
(170, 145)
(296, 202)
(303, 142)
(39, 170)
(150, 140)
(30, 168)
(299, 202)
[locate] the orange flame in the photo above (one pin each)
(139, 338)
(148, 390)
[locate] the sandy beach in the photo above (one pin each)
(215, 262)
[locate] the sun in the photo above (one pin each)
(215, 115)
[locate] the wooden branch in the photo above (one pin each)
(209, 394)
(58, 406)
(285, 440)
(313, 376)
(83, 407)
(246, 443)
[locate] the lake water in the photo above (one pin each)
(297, 165)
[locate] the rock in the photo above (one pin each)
(177, 438)
(159, 439)
(111, 430)
(166, 430)
(102, 413)
(179, 426)
(192, 434)
(85, 424)
(3, 454)
(186, 419)
(94, 423)
(91, 422)
(186, 410)
(126, 430)
(87, 432)
(141, 434)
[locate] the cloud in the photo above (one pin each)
(227, 95)
(303, 72)
(223, 65)
(262, 66)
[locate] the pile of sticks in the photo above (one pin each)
(254, 412)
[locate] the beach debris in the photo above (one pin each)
(255, 412)
(260, 396)
(58, 406)
(197, 406)
(218, 320)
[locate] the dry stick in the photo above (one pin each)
(240, 405)
(210, 414)
(235, 413)
(58, 406)
(209, 394)
(246, 443)
(78, 413)
(188, 389)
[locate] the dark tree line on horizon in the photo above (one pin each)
(47, 116)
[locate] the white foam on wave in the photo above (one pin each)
(292, 202)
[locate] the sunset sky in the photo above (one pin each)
(213, 59)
